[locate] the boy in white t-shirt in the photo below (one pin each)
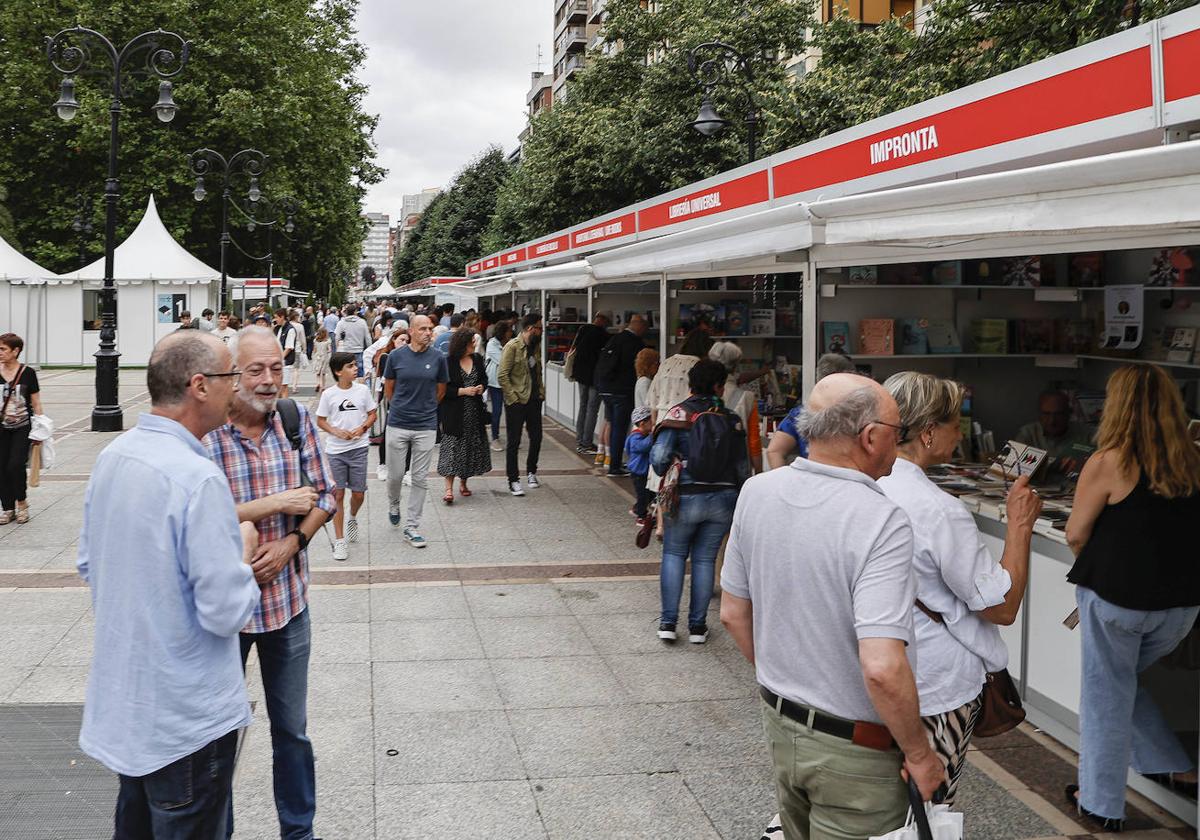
(346, 413)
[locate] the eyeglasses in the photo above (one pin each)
(236, 374)
(901, 431)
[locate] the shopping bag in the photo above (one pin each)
(35, 465)
(926, 822)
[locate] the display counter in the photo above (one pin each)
(562, 396)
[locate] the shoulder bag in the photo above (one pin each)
(13, 384)
(1000, 703)
(569, 359)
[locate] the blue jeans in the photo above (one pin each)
(589, 413)
(496, 396)
(186, 800)
(618, 408)
(697, 528)
(283, 658)
(1119, 724)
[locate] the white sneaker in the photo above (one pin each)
(351, 529)
(340, 552)
(407, 482)
(381, 472)
(532, 481)
(515, 488)
(497, 445)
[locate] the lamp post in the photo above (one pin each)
(250, 162)
(715, 64)
(156, 54)
(284, 206)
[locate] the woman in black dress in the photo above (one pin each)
(464, 419)
(21, 400)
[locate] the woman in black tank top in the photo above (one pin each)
(1138, 585)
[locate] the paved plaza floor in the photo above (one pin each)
(504, 682)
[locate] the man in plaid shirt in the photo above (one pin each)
(288, 495)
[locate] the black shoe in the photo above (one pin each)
(585, 450)
(666, 632)
(619, 472)
(698, 634)
(1106, 824)
(1169, 781)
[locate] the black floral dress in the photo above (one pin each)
(467, 455)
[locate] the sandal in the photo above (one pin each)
(6, 517)
(22, 515)
(449, 497)
(463, 491)
(1107, 824)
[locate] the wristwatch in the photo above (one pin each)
(300, 537)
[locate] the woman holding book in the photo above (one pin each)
(962, 592)
(1132, 529)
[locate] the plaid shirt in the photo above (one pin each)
(263, 468)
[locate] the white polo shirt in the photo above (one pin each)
(956, 576)
(826, 559)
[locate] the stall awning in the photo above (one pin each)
(749, 238)
(555, 278)
(1148, 191)
(487, 288)
(384, 289)
(16, 268)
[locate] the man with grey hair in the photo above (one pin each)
(170, 591)
(826, 620)
(287, 493)
(786, 439)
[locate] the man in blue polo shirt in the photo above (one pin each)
(415, 378)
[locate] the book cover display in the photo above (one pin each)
(946, 273)
(1086, 270)
(902, 274)
(913, 338)
(862, 275)
(1174, 267)
(737, 318)
(942, 337)
(990, 335)
(787, 318)
(877, 337)
(1022, 271)
(1036, 335)
(762, 321)
(835, 337)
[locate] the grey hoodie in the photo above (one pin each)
(353, 335)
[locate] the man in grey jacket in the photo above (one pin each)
(353, 336)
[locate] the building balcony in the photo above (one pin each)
(571, 13)
(597, 13)
(573, 39)
(569, 65)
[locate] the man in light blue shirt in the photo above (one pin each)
(168, 566)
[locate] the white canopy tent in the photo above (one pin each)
(384, 289)
(554, 278)
(22, 302)
(15, 267)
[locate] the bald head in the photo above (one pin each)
(637, 325)
(836, 387)
(177, 358)
(849, 422)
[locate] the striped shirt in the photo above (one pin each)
(256, 469)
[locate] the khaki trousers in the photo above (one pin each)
(830, 788)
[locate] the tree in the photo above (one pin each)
(279, 77)
(368, 276)
(451, 228)
(8, 230)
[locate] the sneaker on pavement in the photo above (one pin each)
(532, 481)
(598, 461)
(619, 472)
(340, 552)
(351, 529)
(608, 461)
(381, 472)
(407, 482)
(515, 488)
(666, 632)
(414, 539)
(497, 445)
(698, 635)
(394, 512)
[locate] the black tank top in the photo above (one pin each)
(1143, 554)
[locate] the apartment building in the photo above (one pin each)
(540, 98)
(375, 245)
(573, 31)
(867, 13)
(417, 202)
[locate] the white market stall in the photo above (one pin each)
(383, 290)
(23, 301)
(156, 279)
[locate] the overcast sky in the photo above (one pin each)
(447, 78)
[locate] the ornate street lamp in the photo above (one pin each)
(206, 162)
(713, 65)
(278, 212)
(157, 54)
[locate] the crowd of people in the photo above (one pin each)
(873, 647)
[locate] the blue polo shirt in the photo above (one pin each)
(788, 427)
(414, 402)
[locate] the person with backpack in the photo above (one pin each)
(700, 451)
(288, 338)
(615, 377)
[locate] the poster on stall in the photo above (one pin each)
(169, 307)
(1122, 317)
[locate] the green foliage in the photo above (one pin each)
(8, 230)
(337, 293)
(279, 77)
(450, 230)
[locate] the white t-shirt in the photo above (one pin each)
(958, 577)
(225, 334)
(346, 408)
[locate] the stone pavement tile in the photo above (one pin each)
(10, 678)
(479, 809)
(398, 603)
(403, 641)
(336, 689)
(459, 685)
(739, 801)
(342, 812)
(533, 636)
(716, 734)
(342, 749)
(629, 807)
(580, 547)
(498, 601)
(991, 813)
(44, 607)
(52, 684)
(64, 559)
(593, 741)
(479, 531)
(672, 675)
(396, 552)
(634, 632)
(605, 598)
(20, 559)
(444, 747)
(557, 682)
(340, 643)
(335, 605)
(75, 648)
(488, 552)
(28, 644)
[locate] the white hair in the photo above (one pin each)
(844, 419)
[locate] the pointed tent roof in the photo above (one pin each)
(384, 289)
(15, 267)
(150, 253)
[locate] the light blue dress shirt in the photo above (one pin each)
(162, 553)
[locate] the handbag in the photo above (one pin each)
(12, 388)
(651, 520)
(926, 821)
(1000, 703)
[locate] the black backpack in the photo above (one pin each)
(606, 364)
(716, 446)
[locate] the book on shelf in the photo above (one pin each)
(835, 337)
(787, 318)
(692, 285)
(570, 313)
(1085, 270)
(990, 335)
(737, 318)
(877, 337)
(942, 336)
(1022, 271)
(692, 315)
(762, 321)
(982, 272)
(914, 340)
(1182, 346)
(862, 275)
(948, 273)
(744, 283)
(1075, 335)
(1036, 335)
(1174, 267)
(902, 274)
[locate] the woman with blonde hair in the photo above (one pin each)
(962, 592)
(1137, 583)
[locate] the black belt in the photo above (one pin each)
(861, 732)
